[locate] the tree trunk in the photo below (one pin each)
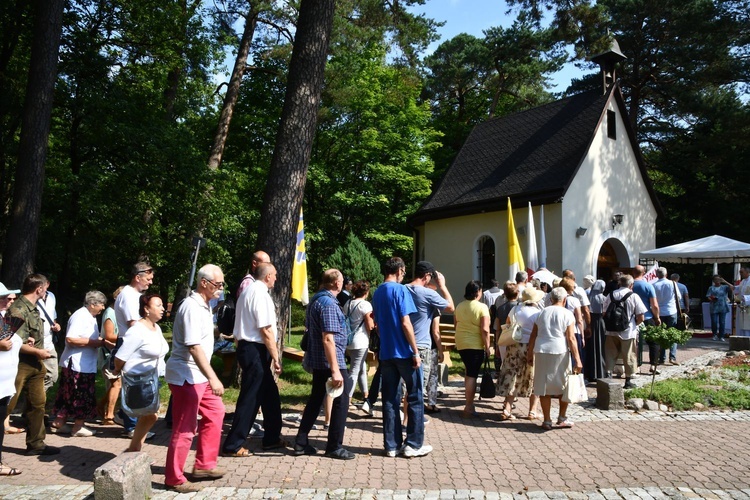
(285, 188)
(233, 90)
(21, 242)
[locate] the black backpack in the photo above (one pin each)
(616, 316)
(225, 317)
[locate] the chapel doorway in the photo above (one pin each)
(612, 257)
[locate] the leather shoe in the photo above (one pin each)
(341, 454)
(45, 451)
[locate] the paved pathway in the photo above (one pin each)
(607, 455)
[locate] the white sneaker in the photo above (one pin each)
(395, 453)
(411, 452)
(426, 420)
(84, 432)
(366, 408)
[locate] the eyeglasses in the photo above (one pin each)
(217, 284)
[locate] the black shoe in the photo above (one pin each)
(307, 449)
(275, 446)
(629, 384)
(341, 454)
(47, 450)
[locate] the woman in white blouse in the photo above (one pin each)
(76, 395)
(10, 346)
(143, 350)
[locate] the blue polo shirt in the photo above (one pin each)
(391, 302)
(646, 292)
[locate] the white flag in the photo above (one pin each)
(532, 261)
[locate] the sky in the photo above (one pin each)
(474, 16)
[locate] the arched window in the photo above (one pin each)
(485, 260)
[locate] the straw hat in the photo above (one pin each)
(531, 294)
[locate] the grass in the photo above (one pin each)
(724, 387)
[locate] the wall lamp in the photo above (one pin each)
(581, 231)
(616, 219)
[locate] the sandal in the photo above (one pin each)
(14, 430)
(469, 414)
(563, 423)
(108, 421)
(506, 415)
(8, 471)
(241, 453)
(431, 409)
(532, 416)
(547, 425)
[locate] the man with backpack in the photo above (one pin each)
(623, 312)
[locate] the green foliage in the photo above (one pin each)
(370, 164)
(717, 387)
(354, 260)
(664, 336)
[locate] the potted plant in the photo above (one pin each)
(664, 337)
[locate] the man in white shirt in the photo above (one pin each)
(126, 308)
(624, 343)
(257, 355)
(195, 387)
(47, 312)
(667, 296)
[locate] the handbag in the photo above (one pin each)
(487, 388)
(575, 389)
(510, 334)
(374, 340)
(140, 393)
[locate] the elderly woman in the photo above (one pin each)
(551, 345)
(593, 367)
(719, 295)
(472, 323)
(516, 375)
(76, 396)
(142, 351)
(359, 313)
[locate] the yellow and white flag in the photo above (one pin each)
(515, 257)
(299, 269)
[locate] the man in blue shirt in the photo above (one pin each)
(399, 359)
(646, 292)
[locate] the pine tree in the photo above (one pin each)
(356, 261)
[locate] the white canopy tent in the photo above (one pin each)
(702, 251)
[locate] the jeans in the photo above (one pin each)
(718, 323)
(393, 371)
(258, 389)
(359, 370)
(669, 321)
(339, 410)
(189, 401)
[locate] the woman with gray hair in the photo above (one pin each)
(552, 342)
(76, 395)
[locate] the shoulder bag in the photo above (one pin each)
(510, 334)
(140, 393)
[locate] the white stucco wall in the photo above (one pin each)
(608, 182)
(450, 244)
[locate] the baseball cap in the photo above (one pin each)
(4, 292)
(424, 267)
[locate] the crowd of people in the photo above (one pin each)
(562, 329)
